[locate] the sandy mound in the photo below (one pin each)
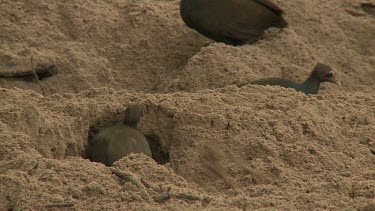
(215, 146)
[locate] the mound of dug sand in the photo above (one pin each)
(281, 149)
(215, 146)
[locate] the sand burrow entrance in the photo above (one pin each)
(159, 153)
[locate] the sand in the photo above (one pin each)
(215, 146)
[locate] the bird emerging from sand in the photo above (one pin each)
(234, 22)
(113, 143)
(321, 73)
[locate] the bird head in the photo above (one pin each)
(325, 73)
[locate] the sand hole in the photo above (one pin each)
(369, 8)
(159, 153)
(92, 131)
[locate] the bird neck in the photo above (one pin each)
(130, 123)
(311, 85)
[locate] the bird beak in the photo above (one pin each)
(337, 82)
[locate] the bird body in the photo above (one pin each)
(321, 73)
(308, 87)
(233, 22)
(113, 143)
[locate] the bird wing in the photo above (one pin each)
(233, 19)
(272, 6)
(246, 19)
(231, 26)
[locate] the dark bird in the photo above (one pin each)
(113, 143)
(234, 22)
(321, 73)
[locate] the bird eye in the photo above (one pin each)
(330, 74)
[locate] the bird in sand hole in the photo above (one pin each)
(115, 142)
(320, 73)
